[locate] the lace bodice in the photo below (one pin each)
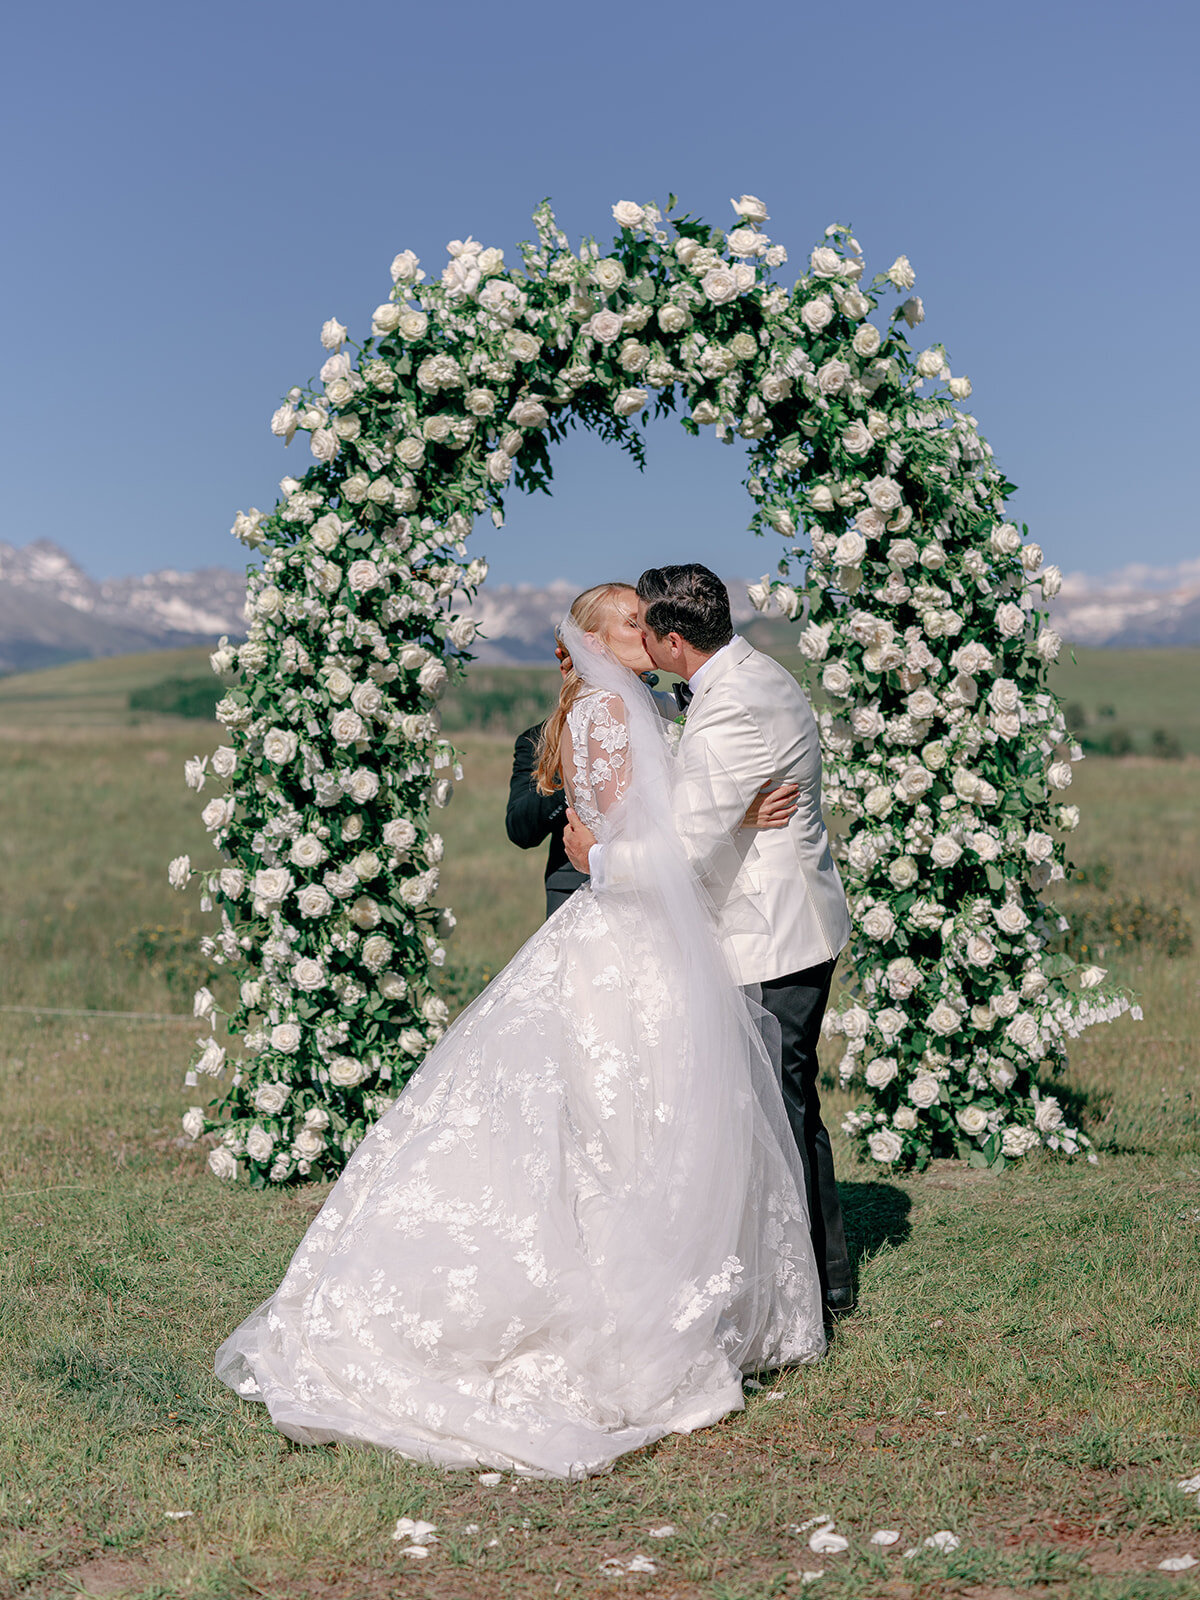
(600, 770)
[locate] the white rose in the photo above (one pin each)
(878, 801)
(404, 268)
(272, 885)
(866, 340)
(881, 1071)
(890, 1023)
(913, 310)
(850, 548)
(901, 273)
(609, 274)
(960, 388)
(825, 262)
(945, 850)
(193, 1122)
(364, 575)
(399, 834)
(211, 1060)
(279, 745)
(629, 401)
(1052, 582)
(1058, 775)
(221, 1163)
(1010, 619)
(432, 677)
(308, 1144)
(306, 851)
(1039, 846)
(1018, 1141)
(836, 679)
(376, 952)
(217, 814)
(362, 785)
(1010, 918)
(392, 985)
(980, 951)
(867, 722)
(231, 881)
(285, 1036)
(435, 1010)
(879, 923)
(883, 1144)
(903, 872)
(1048, 644)
(308, 974)
(259, 1144)
(857, 439)
(1048, 1115)
(1067, 818)
(925, 1090)
(606, 327)
(973, 1120)
(817, 313)
(833, 377)
(750, 208)
(346, 727)
(367, 699)
(1023, 1031)
(270, 1098)
(364, 913)
(884, 494)
(628, 215)
(944, 1019)
(720, 286)
(499, 466)
(367, 866)
(913, 782)
(1033, 983)
(930, 362)
(385, 319)
(179, 872)
(314, 901)
(345, 1072)
(1091, 976)
(905, 1117)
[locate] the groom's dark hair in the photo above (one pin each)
(688, 600)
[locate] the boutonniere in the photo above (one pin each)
(680, 719)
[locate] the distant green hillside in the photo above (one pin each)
(1128, 693)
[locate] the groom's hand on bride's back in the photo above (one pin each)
(577, 842)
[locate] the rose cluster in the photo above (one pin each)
(943, 744)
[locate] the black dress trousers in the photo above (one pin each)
(797, 1002)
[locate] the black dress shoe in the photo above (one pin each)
(839, 1302)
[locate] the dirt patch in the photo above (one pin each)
(101, 1576)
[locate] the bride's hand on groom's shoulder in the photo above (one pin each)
(772, 808)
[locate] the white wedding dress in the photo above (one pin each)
(584, 1218)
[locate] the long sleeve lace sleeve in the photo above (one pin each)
(602, 769)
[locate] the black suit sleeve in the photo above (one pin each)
(531, 816)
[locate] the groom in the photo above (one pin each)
(783, 913)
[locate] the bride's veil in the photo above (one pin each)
(724, 1161)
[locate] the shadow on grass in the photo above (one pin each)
(876, 1216)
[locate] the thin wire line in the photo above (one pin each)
(61, 1011)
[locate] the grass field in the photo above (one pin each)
(1024, 1368)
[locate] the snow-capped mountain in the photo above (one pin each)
(51, 610)
(1136, 606)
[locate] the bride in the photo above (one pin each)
(583, 1220)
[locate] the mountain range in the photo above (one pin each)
(52, 611)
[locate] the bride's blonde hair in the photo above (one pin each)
(589, 611)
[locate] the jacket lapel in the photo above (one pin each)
(729, 662)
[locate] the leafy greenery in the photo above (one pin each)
(179, 697)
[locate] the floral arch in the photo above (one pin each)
(943, 745)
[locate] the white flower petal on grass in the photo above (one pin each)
(887, 1536)
(417, 1550)
(811, 1576)
(641, 1564)
(177, 1516)
(1189, 1485)
(489, 1480)
(945, 1541)
(1177, 1563)
(824, 1542)
(667, 1531)
(421, 1533)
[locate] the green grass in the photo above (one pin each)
(1024, 1367)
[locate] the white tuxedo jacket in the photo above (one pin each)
(779, 900)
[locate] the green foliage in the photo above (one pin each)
(1118, 924)
(179, 697)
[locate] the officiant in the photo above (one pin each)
(532, 818)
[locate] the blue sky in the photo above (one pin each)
(193, 190)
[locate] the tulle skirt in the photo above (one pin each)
(578, 1227)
